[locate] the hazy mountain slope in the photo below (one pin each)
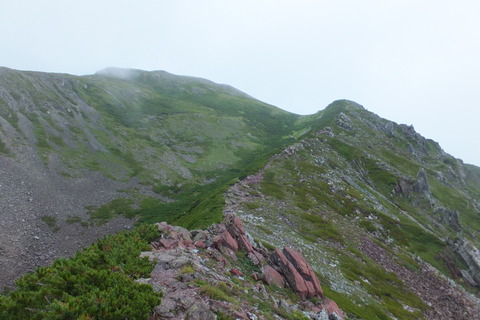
(156, 142)
(388, 220)
(370, 202)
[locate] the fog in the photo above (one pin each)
(413, 62)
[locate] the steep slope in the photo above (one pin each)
(146, 144)
(377, 209)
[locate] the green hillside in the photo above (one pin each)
(385, 217)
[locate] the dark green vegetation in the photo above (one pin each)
(97, 283)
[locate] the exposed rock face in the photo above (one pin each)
(421, 183)
(471, 255)
(448, 217)
(182, 257)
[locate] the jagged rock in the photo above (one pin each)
(304, 268)
(284, 304)
(471, 255)
(256, 257)
(421, 182)
(244, 244)
(388, 128)
(199, 235)
(234, 224)
(270, 275)
(344, 121)
(304, 287)
(182, 300)
(403, 188)
(225, 239)
(448, 217)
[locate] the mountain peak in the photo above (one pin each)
(345, 104)
(120, 73)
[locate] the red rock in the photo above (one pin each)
(305, 271)
(298, 273)
(294, 279)
(188, 244)
(200, 244)
(236, 272)
(256, 257)
(298, 261)
(168, 243)
(229, 241)
(332, 307)
(234, 224)
(244, 244)
(270, 275)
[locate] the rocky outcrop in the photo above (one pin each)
(183, 257)
(405, 187)
(298, 273)
(421, 182)
(448, 217)
(471, 255)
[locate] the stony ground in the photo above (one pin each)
(28, 192)
(221, 272)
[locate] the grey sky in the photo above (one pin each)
(414, 62)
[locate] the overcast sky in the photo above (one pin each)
(413, 62)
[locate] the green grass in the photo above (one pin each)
(217, 292)
(314, 226)
(384, 285)
(51, 221)
(72, 220)
(270, 187)
(3, 149)
(120, 206)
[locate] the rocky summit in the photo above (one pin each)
(266, 214)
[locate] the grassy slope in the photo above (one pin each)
(336, 188)
(186, 137)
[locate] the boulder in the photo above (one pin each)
(270, 275)
(229, 241)
(244, 244)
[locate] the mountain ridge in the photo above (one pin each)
(369, 202)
